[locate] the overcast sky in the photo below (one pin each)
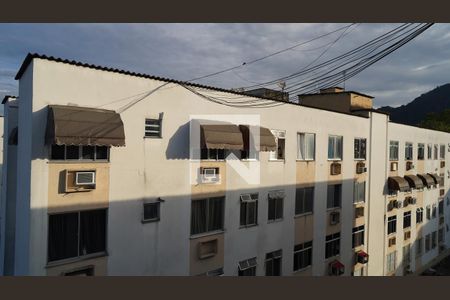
(185, 51)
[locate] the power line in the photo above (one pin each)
(269, 55)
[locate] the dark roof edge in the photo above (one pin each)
(30, 56)
(331, 93)
(7, 97)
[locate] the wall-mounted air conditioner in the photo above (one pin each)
(84, 178)
(409, 165)
(412, 201)
(398, 204)
(209, 175)
(394, 166)
(335, 168)
(361, 168)
(442, 164)
(334, 217)
(392, 241)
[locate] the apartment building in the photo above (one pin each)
(106, 174)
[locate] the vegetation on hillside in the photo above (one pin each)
(437, 121)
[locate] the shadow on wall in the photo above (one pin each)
(178, 146)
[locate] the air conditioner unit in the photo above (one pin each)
(334, 218)
(412, 201)
(407, 235)
(392, 242)
(442, 164)
(406, 202)
(361, 168)
(335, 169)
(398, 204)
(209, 175)
(394, 166)
(409, 165)
(85, 178)
(391, 205)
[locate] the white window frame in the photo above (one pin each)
(409, 147)
(249, 198)
(419, 146)
(336, 149)
(279, 135)
(359, 148)
(392, 146)
(429, 151)
(302, 136)
(442, 151)
(304, 200)
(153, 128)
(356, 194)
(303, 250)
(354, 233)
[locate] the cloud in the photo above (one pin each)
(185, 51)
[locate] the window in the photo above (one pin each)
(441, 235)
(360, 148)
(408, 151)
(332, 244)
(393, 150)
(76, 234)
(153, 128)
(212, 154)
(419, 215)
(273, 263)
(306, 146)
(390, 261)
(359, 192)
(247, 267)
(358, 236)
(429, 151)
(407, 219)
(334, 195)
(304, 200)
(335, 147)
(280, 139)
(428, 212)
(302, 255)
(433, 239)
(392, 224)
(433, 211)
(441, 207)
(420, 151)
(427, 243)
(151, 212)
(63, 152)
(435, 152)
(442, 152)
(275, 205)
(406, 255)
(419, 247)
(207, 215)
(249, 209)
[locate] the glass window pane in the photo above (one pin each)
(198, 216)
(88, 152)
(72, 152)
(57, 151)
(101, 152)
(92, 231)
(62, 236)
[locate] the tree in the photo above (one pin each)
(437, 121)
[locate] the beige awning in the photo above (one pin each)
(267, 140)
(426, 179)
(397, 183)
(435, 177)
(221, 136)
(73, 125)
(414, 181)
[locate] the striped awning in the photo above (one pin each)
(397, 183)
(267, 140)
(221, 136)
(427, 180)
(435, 177)
(414, 181)
(74, 125)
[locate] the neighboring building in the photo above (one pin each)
(98, 181)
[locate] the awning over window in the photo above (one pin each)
(267, 140)
(246, 264)
(73, 125)
(414, 181)
(362, 257)
(397, 183)
(435, 177)
(221, 136)
(427, 180)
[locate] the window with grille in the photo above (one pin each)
(304, 200)
(302, 255)
(153, 128)
(360, 148)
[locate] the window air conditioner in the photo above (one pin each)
(398, 204)
(335, 168)
(209, 175)
(392, 242)
(394, 166)
(442, 164)
(85, 178)
(334, 218)
(409, 165)
(361, 168)
(412, 201)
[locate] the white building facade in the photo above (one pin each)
(147, 207)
